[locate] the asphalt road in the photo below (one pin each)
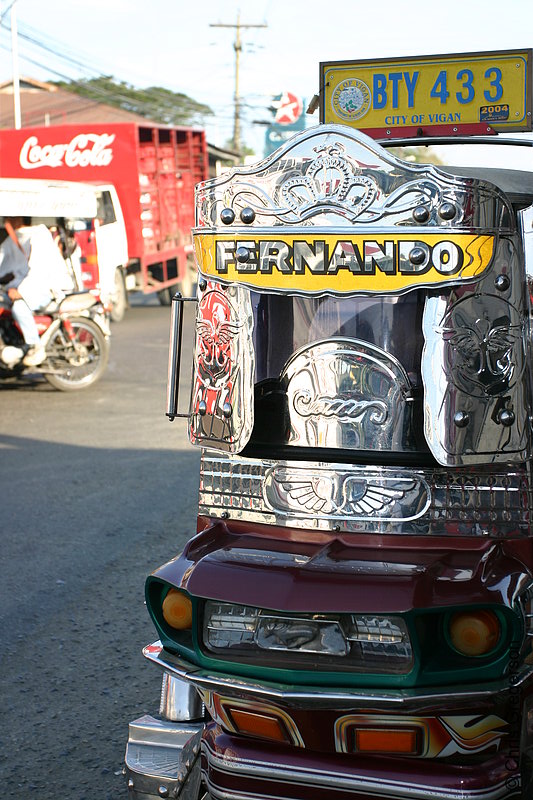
(97, 488)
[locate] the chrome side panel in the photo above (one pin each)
(488, 502)
(473, 365)
(223, 379)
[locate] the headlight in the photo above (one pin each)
(177, 610)
(356, 642)
(302, 634)
(475, 633)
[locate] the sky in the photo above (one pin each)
(172, 43)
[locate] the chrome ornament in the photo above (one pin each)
(332, 173)
(342, 494)
(473, 366)
(221, 408)
(346, 393)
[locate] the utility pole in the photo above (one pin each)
(15, 62)
(237, 46)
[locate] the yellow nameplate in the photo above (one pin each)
(343, 264)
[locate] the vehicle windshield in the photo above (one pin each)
(284, 324)
(360, 354)
(501, 152)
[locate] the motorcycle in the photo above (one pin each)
(75, 334)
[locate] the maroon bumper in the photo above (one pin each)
(236, 768)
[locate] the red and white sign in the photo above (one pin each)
(83, 150)
(288, 108)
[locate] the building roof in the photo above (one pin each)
(46, 104)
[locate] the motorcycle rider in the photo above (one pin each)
(33, 273)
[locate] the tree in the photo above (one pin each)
(155, 103)
(244, 151)
(419, 154)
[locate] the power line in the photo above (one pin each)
(102, 92)
(67, 63)
(39, 64)
(52, 45)
(53, 49)
(4, 12)
(56, 48)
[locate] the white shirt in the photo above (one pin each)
(40, 269)
(13, 260)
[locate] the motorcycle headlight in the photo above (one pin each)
(355, 642)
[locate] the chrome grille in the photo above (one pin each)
(488, 502)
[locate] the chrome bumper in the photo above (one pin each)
(162, 759)
(393, 700)
(162, 755)
(300, 774)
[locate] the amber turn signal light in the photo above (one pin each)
(401, 741)
(258, 724)
(475, 633)
(177, 610)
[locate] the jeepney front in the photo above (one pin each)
(355, 610)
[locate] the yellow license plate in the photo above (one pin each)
(463, 92)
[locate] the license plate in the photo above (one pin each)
(430, 91)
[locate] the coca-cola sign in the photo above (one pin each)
(83, 150)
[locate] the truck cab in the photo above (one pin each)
(103, 247)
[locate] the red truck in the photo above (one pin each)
(144, 176)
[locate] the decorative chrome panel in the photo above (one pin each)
(473, 364)
(353, 493)
(333, 175)
(347, 393)
(352, 498)
(222, 391)
(331, 212)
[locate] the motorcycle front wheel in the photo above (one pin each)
(79, 362)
